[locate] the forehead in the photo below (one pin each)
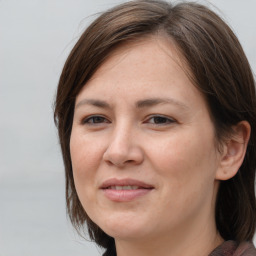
(150, 49)
(142, 69)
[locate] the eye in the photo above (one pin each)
(95, 120)
(160, 120)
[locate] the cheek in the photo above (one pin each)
(185, 160)
(85, 155)
(186, 168)
(86, 158)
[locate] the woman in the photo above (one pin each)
(156, 113)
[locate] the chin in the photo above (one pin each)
(123, 227)
(125, 233)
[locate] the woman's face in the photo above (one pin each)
(143, 146)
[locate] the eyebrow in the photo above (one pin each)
(94, 102)
(139, 104)
(156, 101)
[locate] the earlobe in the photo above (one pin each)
(234, 151)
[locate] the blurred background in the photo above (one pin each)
(35, 39)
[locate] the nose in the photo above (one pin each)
(123, 149)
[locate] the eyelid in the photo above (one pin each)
(169, 119)
(85, 120)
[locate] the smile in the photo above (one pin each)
(125, 190)
(123, 187)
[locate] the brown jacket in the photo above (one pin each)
(231, 248)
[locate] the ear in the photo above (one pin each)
(234, 151)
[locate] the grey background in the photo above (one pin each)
(35, 39)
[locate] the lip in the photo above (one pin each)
(125, 195)
(125, 182)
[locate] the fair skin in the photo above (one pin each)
(140, 120)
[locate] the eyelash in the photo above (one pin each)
(167, 120)
(89, 120)
(92, 120)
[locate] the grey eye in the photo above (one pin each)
(160, 120)
(95, 120)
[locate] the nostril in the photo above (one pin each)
(123, 155)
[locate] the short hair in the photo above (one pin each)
(217, 66)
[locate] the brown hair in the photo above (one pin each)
(219, 69)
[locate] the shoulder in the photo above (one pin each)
(231, 248)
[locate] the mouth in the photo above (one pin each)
(123, 187)
(125, 190)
